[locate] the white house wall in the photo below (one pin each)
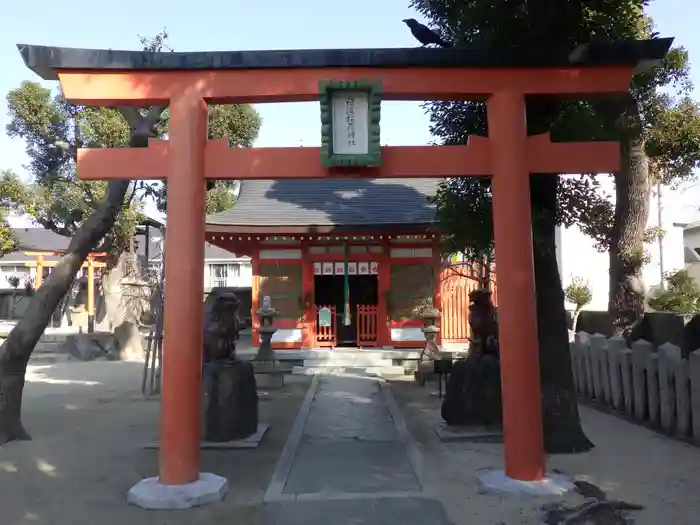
(577, 256)
(243, 280)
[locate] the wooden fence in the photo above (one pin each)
(652, 385)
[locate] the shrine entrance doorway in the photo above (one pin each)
(353, 305)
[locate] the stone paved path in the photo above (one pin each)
(349, 460)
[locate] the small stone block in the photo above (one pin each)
(497, 481)
(270, 380)
(264, 396)
(252, 441)
(303, 371)
(152, 495)
(468, 433)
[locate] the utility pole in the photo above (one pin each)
(659, 210)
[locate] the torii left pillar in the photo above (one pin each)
(180, 483)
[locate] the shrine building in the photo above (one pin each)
(319, 247)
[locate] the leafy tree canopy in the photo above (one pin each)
(681, 295)
(669, 121)
(13, 194)
(578, 292)
(54, 129)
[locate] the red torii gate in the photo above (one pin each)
(91, 264)
(187, 82)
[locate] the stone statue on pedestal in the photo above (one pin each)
(230, 392)
(473, 393)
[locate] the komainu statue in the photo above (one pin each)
(230, 392)
(221, 326)
(473, 393)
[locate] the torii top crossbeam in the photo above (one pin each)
(291, 75)
(187, 82)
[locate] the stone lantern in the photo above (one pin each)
(430, 315)
(267, 371)
(266, 314)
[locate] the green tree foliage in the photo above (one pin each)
(681, 294)
(578, 292)
(54, 129)
(240, 125)
(555, 200)
(659, 131)
(13, 195)
(671, 125)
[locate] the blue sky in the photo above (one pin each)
(235, 25)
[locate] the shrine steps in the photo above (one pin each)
(374, 361)
(379, 362)
(378, 371)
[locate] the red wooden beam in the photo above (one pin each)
(238, 86)
(224, 163)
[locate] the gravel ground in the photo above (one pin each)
(89, 423)
(630, 463)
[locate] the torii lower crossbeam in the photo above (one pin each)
(472, 159)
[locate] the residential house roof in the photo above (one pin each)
(35, 240)
(42, 240)
(211, 252)
(331, 202)
(690, 255)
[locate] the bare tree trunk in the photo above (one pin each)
(574, 319)
(18, 347)
(632, 191)
(561, 422)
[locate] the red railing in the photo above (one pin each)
(366, 325)
(326, 335)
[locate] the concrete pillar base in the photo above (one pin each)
(150, 494)
(497, 481)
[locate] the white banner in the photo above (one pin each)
(338, 268)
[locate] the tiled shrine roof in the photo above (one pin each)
(327, 202)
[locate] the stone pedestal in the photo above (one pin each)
(231, 401)
(150, 494)
(265, 353)
(473, 393)
(268, 378)
(496, 481)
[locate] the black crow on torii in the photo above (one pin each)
(424, 34)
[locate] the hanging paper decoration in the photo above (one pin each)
(346, 288)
